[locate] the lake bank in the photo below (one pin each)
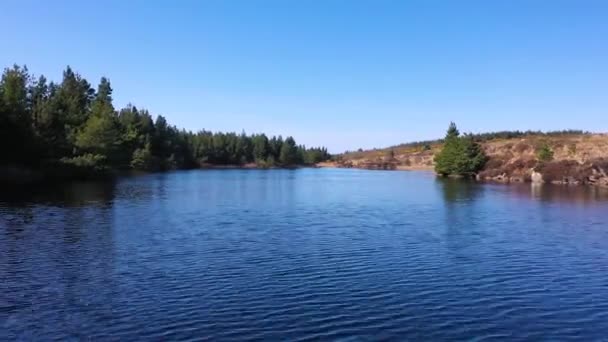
(378, 166)
(568, 172)
(570, 158)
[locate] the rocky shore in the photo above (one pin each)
(576, 160)
(564, 172)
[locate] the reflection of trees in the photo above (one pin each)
(90, 193)
(463, 228)
(563, 193)
(456, 190)
(73, 194)
(60, 239)
(459, 190)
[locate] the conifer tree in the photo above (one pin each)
(289, 153)
(460, 155)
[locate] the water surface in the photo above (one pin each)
(303, 255)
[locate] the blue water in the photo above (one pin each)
(312, 254)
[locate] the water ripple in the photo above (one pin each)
(301, 255)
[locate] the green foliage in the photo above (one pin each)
(15, 119)
(100, 135)
(315, 155)
(289, 152)
(271, 161)
(72, 123)
(460, 155)
(72, 106)
(143, 159)
(88, 161)
(544, 153)
(261, 148)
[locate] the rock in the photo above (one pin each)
(501, 178)
(537, 177)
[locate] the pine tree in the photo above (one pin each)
(260, 148)
(73, 100)
(15, 119)
(545, 153)
(51, 127)
(289, 153)
(39, 97)
(460, 155)
(101, 133)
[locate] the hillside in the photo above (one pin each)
(577, 158)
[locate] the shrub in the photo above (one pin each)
(497, 166)
(601, 164)
(572, 149)
(521, 147)
(95, 162)
(524, 163)
(544, 153)
(558, 171)
(494, 163)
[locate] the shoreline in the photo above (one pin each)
(334, 165)
(22, 176)
(596, 180)
(251, 166)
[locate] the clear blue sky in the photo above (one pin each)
(344, 74)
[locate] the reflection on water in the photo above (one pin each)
(302, 254)
(76, 194)
(569, 194)
(457, 190)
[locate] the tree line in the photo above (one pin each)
(71, 124)
(482, 137)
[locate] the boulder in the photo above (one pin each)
(537, 177)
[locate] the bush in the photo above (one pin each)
(545, 153)
(264, 164)
(495, 163)
(572, 149)
(95, 162)
(518, 168)
(521, 147)
(601, 163)
(561, 170)
(143, 160)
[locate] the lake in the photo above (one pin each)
(309, 254)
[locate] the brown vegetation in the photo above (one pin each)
(576, 159)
